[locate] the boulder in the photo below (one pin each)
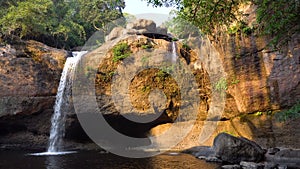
(146, 26)
(162, 30)
(234, 150)
(114, 34)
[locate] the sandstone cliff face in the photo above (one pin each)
(266, 81)
(256, 80)
(259, 79)
(29, 77)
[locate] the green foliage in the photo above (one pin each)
(168, 69)
(278, 19)
(98, 13)
(146, 89)
(180, 27)
(186, 47)
(259, 113)
(107, 77)
(163, 73)
(146, 46)
(121, 51)
(221, 85)
(234, 81)
(205, 14)
(292, 113)
(27, 18)
(59, 23)
(240, 27)
(167, 3)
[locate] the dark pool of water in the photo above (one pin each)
(99, 160)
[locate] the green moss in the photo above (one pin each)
(121, 51)
(146, 89)
(234, 81)
(146, 46)
(259, 113)
(162, 75)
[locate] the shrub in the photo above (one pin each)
(221, 85)
(292, 113)
(121, 51)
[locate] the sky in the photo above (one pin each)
(140, 9)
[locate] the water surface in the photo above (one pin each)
(99, 160)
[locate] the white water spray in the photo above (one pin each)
(62, 103)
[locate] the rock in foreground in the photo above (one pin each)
(234, 150)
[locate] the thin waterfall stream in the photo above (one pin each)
(174, 52)
(62, 106)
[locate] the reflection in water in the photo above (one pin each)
(54, 162)
(98, 160)
(179, 161)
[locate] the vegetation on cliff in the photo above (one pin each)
(276, 19)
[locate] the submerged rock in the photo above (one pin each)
(234, 150)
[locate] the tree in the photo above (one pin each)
(278, 19)
(26, 18)
(100, 12)
(180, 27)
(58, 23)
(205, 14)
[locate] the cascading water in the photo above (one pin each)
(62, 103)
(62, 106)
(174, 52)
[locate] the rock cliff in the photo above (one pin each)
(30, 73)
(254, 79)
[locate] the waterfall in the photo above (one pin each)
(174, 52)
(62, 106)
